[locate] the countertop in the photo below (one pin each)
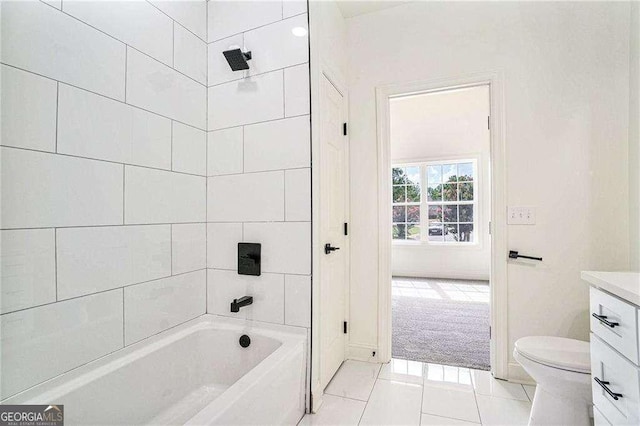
(625, 285)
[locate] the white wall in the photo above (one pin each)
(103, 180)
(259, 175)
(634, 138)
(442, 126)
(566, 84)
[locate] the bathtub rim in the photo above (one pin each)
(290, 337)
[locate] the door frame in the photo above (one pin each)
(499, 344)
(324, 70)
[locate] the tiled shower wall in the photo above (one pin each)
(103, 157)
(121, 183)
(258, 184)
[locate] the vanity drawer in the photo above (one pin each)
(617, 323)
(621, 378)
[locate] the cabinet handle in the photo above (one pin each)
(604, 386)
(603, 319)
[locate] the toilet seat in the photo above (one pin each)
(557, 352)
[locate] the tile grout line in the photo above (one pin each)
(257, 122)
(248, 76)
(57, 110)
(55, 254)
(116, 225)
(124, 340)
(370, 393)
(102, 95)
(101, 292)
(171, 248)
(255, 28)
(62, 154)
(175, 21)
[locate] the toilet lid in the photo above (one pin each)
(558, 352)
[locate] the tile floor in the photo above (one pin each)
(414, 393)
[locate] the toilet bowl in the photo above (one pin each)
(561, 368)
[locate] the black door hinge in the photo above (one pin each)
(346, 228)
(488, 122)
(344, 129)
(344, 327)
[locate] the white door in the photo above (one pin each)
(333, 181)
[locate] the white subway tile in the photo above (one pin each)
(28, 110)
(97, 259)
(296, 90)
(293, 7)
(93, 126)
(254, 99)
(225, 152)
(158, 305)
(190, 55)
(297, 300)
(28, 268)
(161, 89)
(136, 23)
(230, 17)
(219, 69)
(275, 46)
(188, 247)
(42, 190)
(246, 198)
(267, 291)
(156, 196)
(297, 194)
(286, 246)
(43, 342)
(189, 149)
(277, 145)
(190, 13)
(222, 245)
(38, 38)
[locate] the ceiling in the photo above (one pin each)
(351, 8)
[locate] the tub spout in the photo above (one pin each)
(239, 303)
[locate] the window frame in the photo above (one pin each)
(424, 203)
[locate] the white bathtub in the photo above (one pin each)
(195, 374)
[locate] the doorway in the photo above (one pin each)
(440, 249)
(441, 190)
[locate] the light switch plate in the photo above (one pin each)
(521, 215)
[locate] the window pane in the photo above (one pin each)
(450, 192)
(435, 231)
(466, 233)
(399, 194)
(466, 191)
(413, 175)
(450, 213)
(449, 172)
(434, 174)
(413, 232)
(451, 232)
(434, 193)
(398, 176)
(435, 213)
(413, 214)
(398, 232)
(413, 193)
(466, 212)
(399, 214)
(465, 172)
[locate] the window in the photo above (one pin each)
(435, 202)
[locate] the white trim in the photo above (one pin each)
(499, 341)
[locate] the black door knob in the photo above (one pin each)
(328, 248)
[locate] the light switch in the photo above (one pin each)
(521, 215)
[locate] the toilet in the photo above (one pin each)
(562, 370)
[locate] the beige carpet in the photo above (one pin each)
(431, 323)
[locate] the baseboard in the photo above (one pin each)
(442, 275)
(363, 353)
(518, 375)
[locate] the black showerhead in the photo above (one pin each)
(237, 59)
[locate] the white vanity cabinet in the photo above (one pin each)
(615, 350)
